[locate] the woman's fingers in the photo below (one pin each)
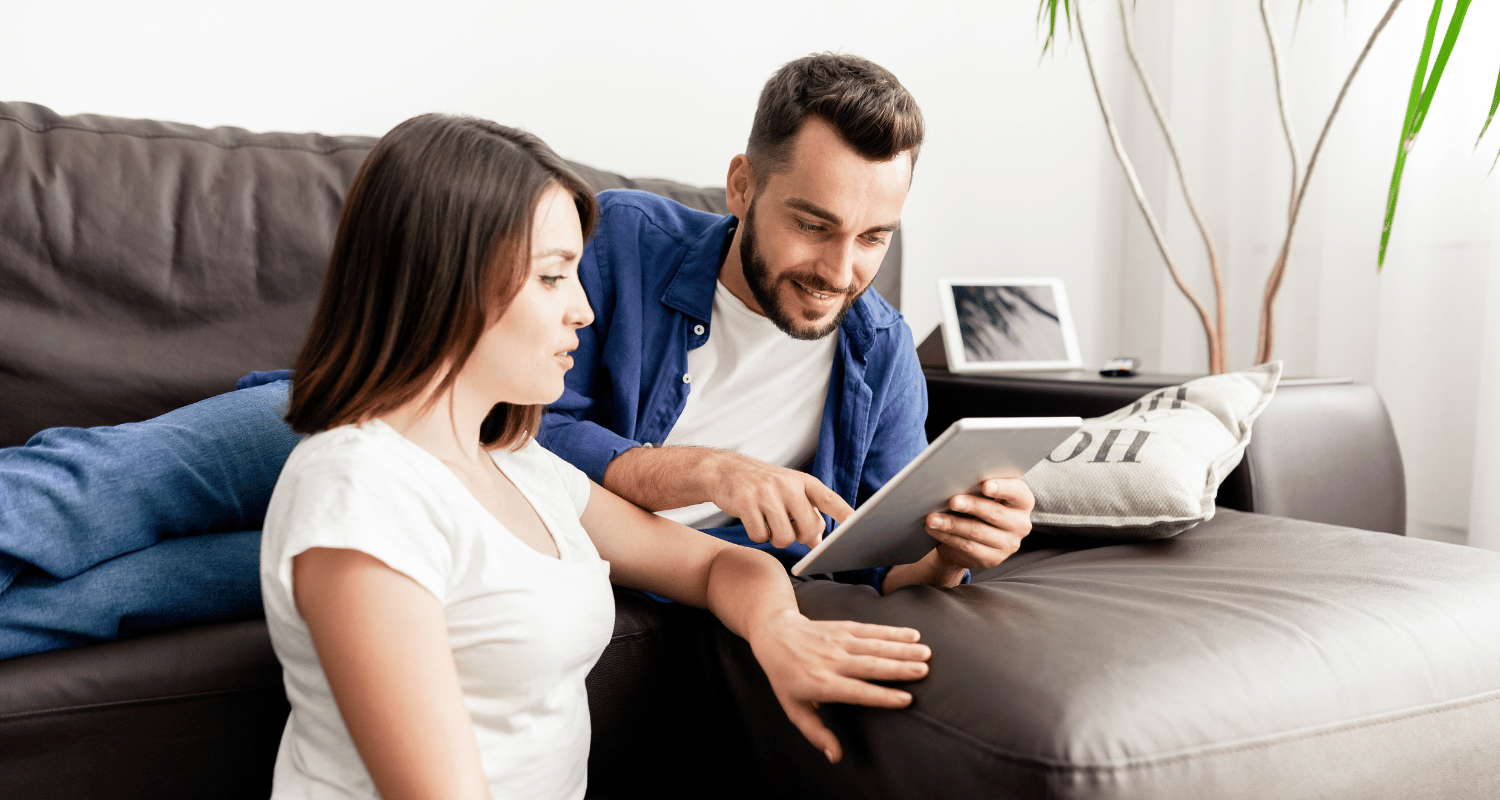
(876, 668)
(860, 693)
(806, 720)
(871, 630)
(885, 648)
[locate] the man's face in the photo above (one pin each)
(814, 234)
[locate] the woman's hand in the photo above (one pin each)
(810, 662)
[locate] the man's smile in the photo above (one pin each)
(819, 295)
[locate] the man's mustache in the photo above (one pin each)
(816, 283)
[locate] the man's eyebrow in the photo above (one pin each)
(832, 218)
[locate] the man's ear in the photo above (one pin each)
(739, 185)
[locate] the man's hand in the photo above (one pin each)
(985, 531)
(774, 503)
(988, 529)
(811, 662)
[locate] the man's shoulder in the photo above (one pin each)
(630, 209)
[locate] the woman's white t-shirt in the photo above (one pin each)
(525, 628)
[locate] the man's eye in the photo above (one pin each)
(875, 239)
(808, 227)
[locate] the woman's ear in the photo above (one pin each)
(739, 185)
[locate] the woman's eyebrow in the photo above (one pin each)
(566, 254)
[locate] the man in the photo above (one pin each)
(739, 368)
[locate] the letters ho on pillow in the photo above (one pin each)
(1151, 469)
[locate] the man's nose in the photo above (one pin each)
(837, 267)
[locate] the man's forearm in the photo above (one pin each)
(659, 478)
(930, 571)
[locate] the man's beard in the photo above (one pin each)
(758, 275)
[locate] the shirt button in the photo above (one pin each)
(686, 378)
(697, 330)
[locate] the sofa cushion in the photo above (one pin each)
(1249, 657)
(199, 711)
(1152, 468)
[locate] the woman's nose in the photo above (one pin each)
(579, 313)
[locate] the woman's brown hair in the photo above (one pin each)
(432, 246)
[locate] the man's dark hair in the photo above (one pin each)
(862, 100)
(433, 244)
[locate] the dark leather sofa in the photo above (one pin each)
(145, 265)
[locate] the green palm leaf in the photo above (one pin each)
(1493, 105)
(1423, 87)
(1048, 9)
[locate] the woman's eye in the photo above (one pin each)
(551, 280)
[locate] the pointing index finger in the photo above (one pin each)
(828, 501)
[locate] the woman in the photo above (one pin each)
(436, 583)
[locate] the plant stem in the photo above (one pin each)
(1214, 346)
(1216, 354)
(1273, 283)
(1281, 105)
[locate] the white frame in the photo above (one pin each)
(953, 341)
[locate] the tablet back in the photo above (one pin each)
(889, 528)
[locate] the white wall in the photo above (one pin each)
(1016, 178)
(663, 88)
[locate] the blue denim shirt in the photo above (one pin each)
(650, 272)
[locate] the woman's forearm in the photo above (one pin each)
(747, 589)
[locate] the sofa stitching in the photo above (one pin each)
(1054, 765)
(180, 137)
(23, 716)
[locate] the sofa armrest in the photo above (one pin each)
(1323, 450)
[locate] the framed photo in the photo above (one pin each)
(1003, 324)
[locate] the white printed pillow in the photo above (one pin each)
(1153, 468)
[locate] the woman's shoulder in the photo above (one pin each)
(544, 469)
(534, 458)
(371, 453)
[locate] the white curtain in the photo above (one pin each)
(1426, 332)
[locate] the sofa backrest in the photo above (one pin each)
(145, 265)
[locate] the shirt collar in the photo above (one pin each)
(691, 290)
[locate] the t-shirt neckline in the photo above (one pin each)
(564, 552)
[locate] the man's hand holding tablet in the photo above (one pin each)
(950, 475)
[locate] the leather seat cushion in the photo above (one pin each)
(1252, 656)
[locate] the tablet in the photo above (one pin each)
(890, 527)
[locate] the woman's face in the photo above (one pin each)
(522, 356)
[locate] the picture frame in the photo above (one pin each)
(1007, 324)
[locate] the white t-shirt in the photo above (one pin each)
(525, 628)
(755, 391)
